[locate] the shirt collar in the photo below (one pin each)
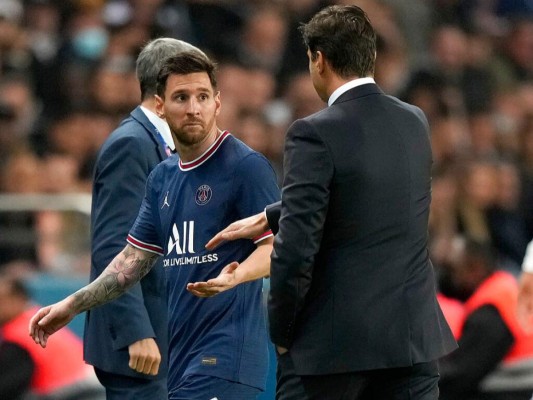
(347, 86)
(161, 126)
(206, 155)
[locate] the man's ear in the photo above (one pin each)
(159, 109)
(218, 103)
(320, 62)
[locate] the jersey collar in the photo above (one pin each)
(187, 166)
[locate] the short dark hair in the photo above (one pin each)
(345, 37)
(152, 57)
(183, 64)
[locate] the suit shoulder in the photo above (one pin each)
(325, 113)
(130, 128)
(129, 133)
(409, 108)
(313, 123)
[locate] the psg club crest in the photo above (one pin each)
(203, 195)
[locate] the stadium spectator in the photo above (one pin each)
(74, 137)
(292, 63)
(263, 37)
(58, 373)
(62, 243)
(442, 218)
(478, 193)
(42, 23)
(494, 359)
(465, 88)
(60, 50)
(25, 124)
(513, 63)
(507, 225)
(20, 174)
(114, 87)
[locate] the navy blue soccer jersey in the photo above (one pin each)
(184, 206)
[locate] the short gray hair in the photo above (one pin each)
(152, 57)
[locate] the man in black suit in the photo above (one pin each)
(352, 305)
(126, 339)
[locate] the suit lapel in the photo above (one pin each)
(359, 91)
(139, 116)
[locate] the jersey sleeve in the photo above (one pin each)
(256, 188)
(143, 233)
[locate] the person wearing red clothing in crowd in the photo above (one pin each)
(57, 373)
(495, 356)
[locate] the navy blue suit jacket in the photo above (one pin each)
(122, 167)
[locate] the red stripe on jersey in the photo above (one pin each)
(144, 246)
(263, 236)
(185, 166)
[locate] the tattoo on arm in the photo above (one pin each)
(126, 269)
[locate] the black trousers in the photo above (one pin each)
(419, 382)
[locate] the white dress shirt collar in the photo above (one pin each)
(161, 126)
(347, 86)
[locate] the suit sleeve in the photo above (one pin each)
(121, 177)
(273, 212)
(304, 205)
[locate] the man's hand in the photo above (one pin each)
(49, 320)
(227, 279)
(525, 301)
(247, 228)
(281, 350)
(145, 356)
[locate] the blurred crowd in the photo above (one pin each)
(67, 77)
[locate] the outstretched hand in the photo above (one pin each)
(227, 279)
(247, 228)
(49, 320)
(525, 301)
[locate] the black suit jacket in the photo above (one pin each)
(122, 167)
(352, 287)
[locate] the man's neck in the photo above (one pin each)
(149, 104)
(189, 153)
(336, 82)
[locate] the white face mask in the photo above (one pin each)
(90, 43)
